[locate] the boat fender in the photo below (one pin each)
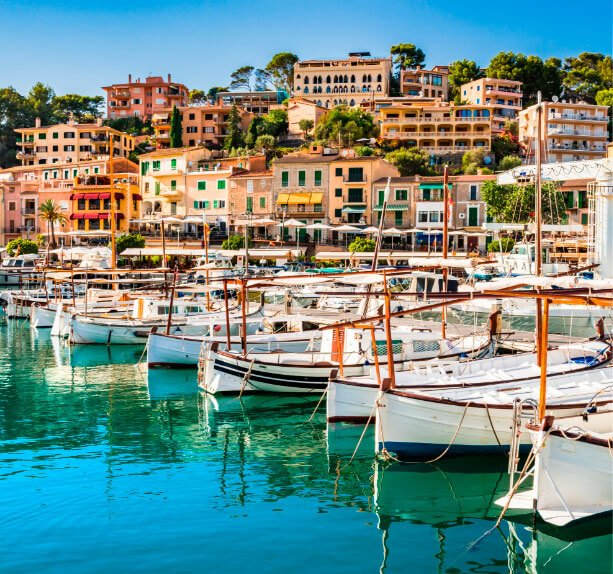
(589, 411)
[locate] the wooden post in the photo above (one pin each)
(543, 360)
(172, 300)
(538, 263)
(205, 236)
(445, 245)
(74, 302)
(373, 339)
(244, 304)
(227, 310)
(388, 337)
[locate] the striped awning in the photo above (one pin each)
(393, 207)
(434, 185)
(354, 209)
(300, 198)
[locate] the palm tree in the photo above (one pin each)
(51, 213)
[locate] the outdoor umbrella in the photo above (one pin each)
(318, 226)
(393, 231)
(293, 223)
(347, 229)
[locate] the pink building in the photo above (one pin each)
(144, 98)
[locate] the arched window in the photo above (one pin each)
(335, 90)
(306, 90)
(319, 80)
(369, 78)
(352, 103)
(297, 76)
(328, 79)
(319, 89)
(378, 77)
(364, 79)
(336, 79)
(352, 89)
(328, 89)
(335, 102)
(319, 102)
(345, 80)
(306, 80)
(378, 88)
(352, 79)
(364, 88)
(327, 103)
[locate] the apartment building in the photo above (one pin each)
(574, 192)
(570, 131)
(144, 98)
(423, 83)
(191, 181)
(258, 102)
(201, 125)
(351, 81)
(24, 188)
(251, 195)
(434, 126)
(503, 97)
(91, 198)
(70, 143)
(299, 108)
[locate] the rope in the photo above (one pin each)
(317, 406)
(244, 383)
(489, 418)
(357, 446)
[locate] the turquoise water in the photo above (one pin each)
(104, 471)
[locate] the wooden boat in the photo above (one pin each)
(352, 399)
(480, 420)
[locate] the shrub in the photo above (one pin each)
(129, 240)
(509, 162)
(504, 244)
(21, 246)
(362, 245)
(235, 242)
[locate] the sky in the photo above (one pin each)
(77, 47)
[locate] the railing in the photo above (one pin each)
(503, 91)
(455, 134)
(580, 117)
(560, 131)
(593, 149)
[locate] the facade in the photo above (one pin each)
(144, 98)
(251, 195)
(202, 125)
(434, 126)
(258, 103)
(91, 200)
(70, 143)
(575, 199)
(504, 97)
(570, 131)
(419, 82)
(298, 109)
(350, 82)
(191, 181)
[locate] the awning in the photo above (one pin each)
(76, 196)
(137, 196)
(354, 209)
(159, 117)
(91, 196)
(77, 215)
(104, 196)
(300, 198)
(91, 216)
(316, 197)
(434, 185)
(393, 207)
(282, 198)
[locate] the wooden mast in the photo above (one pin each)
(538, 263)
(445, 244)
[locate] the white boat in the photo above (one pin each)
(352, 399)
(480, 420)
(19, 269)
(310, 372)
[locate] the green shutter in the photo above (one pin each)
(221, 184)
(401, 195)
(206, 204)
(55, 135)
(584, 219)
(284, 178)
(157, 188)
(202, 186)
(173, 163)
(96, 170)
(215, 204)
(302, 178)
(262, 202)
(144, 167)
(156, 165)
(381, 196)
(397, 217)
(426, 194)
(317, 177)
(250, 204)
(173, 184)
(196, 205)
(338, 192)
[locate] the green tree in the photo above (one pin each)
(130, 240)
(406, 56)
(274, 123)
(343, 125)
(234, 242)
(462, 72)
(50, 212)
(212, 93)
(40, 98)
(362, 245)
(281, 70)
(176, 128)
(473, 160)
(21, 246)
(265, 142)
(139, 149)
(132, 125)
(80, 108)
(241, 78)
(234, 132)
(587, 74)
(197, 97)
(15, 112)
(504, 245)
(605, 98)
(364, 151)
(262, 80)
(411, 161)
(253, 131)
(504, 145)
(509, 162)
(306, 126)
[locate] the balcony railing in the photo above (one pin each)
(563, 132)
(579, 117)
(571, 148)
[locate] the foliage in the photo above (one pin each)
(473, 161)
(15, 112)
(262, 79)
(462, 72)
(512, 127)
(344, 126)
(234, 242)
(509, 162)
(234, 137)
(604, 97)
(21, 246)
(197, 97)
(50, 212)
(364, 151)
(143, 147)
(41, 99)
(306, 126)
(176, 129)
(362, 245)
(504, 145)
(241, 78)
(281, 70)
(265, 142)
(274, 123)
(411, 161)
(406, 56)
(79, 108)
(132, 125)
(587, 74)
(212, 93)
(130, 240)
(504, 245)
(516, 203)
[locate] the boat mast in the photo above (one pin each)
(537, 217)
(445, 245)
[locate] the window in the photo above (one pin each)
(55, 148)
(584, 217)
(94, 204)
(68, 135)
(397, 217)
(202, 186)
(402, 195)
(75, 172)
(425, 195)
(285, 179)
(338, 213)
(356, 174)
(69, 148)
(249, 186)
(338, 172)
(338, 192)
(42, 136)
(173, 184)
(144, 168)
(221, 184)
(215, 204)
(55, 135)
(422, 217)
(157, 188)
(301, 178)
(317, 177)
(192, 116)
(191, 129)
(473, 192)
(173, 163)
(262, 202)
(11, 206)
(250, 204)
(66, 174)
(354, 195)
(156, 165)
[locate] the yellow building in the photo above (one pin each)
(504, 97)
(91, 207)
(434, 126)
(70, 143)
(419, 82)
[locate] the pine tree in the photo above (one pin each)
(176, 129)
(234, 134)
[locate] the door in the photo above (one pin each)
(473, 216)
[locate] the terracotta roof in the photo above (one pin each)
(247, 174)
(171, 151)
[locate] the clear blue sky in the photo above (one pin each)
(79, 46)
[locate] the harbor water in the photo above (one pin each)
(105, 468)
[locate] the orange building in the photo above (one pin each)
(419, 82)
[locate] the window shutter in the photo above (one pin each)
(202, 186)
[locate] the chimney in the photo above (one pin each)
(37, 123)
(99, 122)
(169, 79)
(129, 78)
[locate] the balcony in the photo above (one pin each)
(98, 138)
(504, 91)
(120, 93)
(25, 143)
(25, 155)
(572, 149)
(576, 117)
(562, 132)
(120, 104)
